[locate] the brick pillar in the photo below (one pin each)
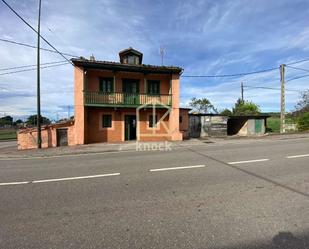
(79, 109)
(176, 135)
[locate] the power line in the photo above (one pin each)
(270, 88)
(31, 69)
(298, 77)
(296, 62)
(249, 73)
(230, 75)
(33, 65)
(32, 46)
(36, 31)
(298, 68)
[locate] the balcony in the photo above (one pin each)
(120, 99)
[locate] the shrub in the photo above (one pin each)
(303, 122)
(245, 108)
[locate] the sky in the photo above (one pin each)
(203, 37)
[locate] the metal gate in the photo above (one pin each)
(194, 126)
(62, 137)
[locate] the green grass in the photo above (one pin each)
(6, 134)
(273, 123)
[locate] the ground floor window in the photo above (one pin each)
(106, 120)
(153, 122)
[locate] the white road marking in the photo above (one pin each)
(13, 183)
(64, 155)
(59, 179)
(297, 156)
(176, 168)
(249, 161)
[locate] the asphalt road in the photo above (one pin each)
(241, 195)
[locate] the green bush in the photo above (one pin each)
(303, 122)
(245, 108)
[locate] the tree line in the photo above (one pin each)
(31, 121)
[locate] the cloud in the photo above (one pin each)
(203, 37)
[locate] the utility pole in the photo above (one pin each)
(242, 91)
(282, 115)
(39, 139)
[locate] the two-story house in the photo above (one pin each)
(120, 101)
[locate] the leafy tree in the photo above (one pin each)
(7, 120)
(18, 121)
(303, 105)
(303, 122)
(226, 112)
(202, 105)
(32, 120)
(245, 108)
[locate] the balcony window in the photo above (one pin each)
(106, 85)
(106, 121)
(151, 121)
(153, 87)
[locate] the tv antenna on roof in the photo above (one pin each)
(162, 53)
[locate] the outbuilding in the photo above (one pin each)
(207, 125)
(216, 125)
(253, 125)
(54, 135)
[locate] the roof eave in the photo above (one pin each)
(129, 68)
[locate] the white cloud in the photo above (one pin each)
(204, 37)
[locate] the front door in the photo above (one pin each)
(130, 127)
(195, 126)
(258, 126)
(62, 137)
(130, 89)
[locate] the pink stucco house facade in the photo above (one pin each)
(122, 101)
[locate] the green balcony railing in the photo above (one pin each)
(124, 99)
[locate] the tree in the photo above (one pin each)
(18, 121)
(32, 120)
(226, 112)
(303, 104)
(245, 108)
(7, 120)
(202, 105)
(303, 122)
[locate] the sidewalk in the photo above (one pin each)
(9, 149)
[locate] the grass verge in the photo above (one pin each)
(7, 134)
